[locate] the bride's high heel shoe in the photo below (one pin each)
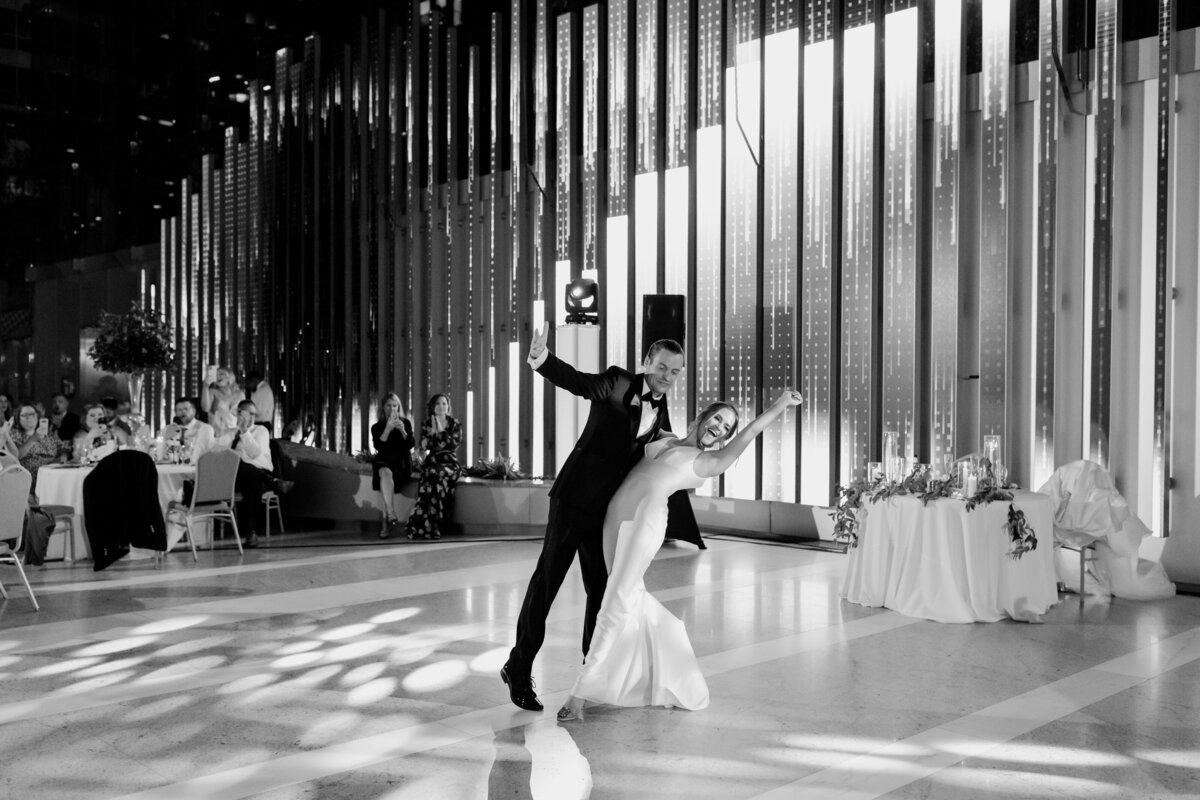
(572, 710)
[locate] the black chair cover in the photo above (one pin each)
(120, 507)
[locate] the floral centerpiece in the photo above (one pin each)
(920, 483)
(135, 343)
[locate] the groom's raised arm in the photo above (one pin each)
(584, 384)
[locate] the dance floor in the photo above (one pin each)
(371, 672)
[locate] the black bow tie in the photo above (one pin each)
(658, 402)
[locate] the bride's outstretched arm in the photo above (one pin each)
(715, 462)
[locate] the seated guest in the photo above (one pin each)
(24, 440)
(110, 409)
(302, 430)
(64, 423)
(252, 443)
(6, 407)
(262, 397)
(95, 433)
(393, 438)
(188, 430)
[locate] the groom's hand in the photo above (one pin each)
(538, 345)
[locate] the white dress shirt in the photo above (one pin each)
(254, 447)
(200, 436)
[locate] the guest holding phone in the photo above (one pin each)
(219, 399)
(440, 436)
(393, 439)
(64, 423)
(94, 434)
(27, 437)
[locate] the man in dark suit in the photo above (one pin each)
(627, 411)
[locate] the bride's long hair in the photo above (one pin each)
(707, 413)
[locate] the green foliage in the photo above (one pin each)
(919, 483)
(135, 342)
(498, 468)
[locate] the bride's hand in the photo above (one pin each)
(789, 399)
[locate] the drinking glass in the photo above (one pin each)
(874, 471)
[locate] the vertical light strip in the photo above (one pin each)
(563, 160)
(858, 248)
(780, 209)
(538, 465)
(514, 399)
(816, 357)
(708, 169)
(646, 166)
(1163, 279)
(743, 153)
(901, 221)
(947, 124)
(614, 297)
(995, 91)
(591, 134)
(1105, 122)
(676, 200)
(1041, 429)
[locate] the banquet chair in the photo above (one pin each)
(1087, 554)
(271, 501)
(7, 460)
(122, 508)
(212, 497)
(14, 502)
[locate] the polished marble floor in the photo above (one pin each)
(371, 672)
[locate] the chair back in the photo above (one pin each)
(14, 502)
(216, 473)
(7, 460)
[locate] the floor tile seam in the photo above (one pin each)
(1020, 723)
(182, 573)
(467, 578)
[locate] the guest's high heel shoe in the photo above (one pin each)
(572, 710)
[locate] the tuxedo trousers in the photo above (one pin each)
(569, 530)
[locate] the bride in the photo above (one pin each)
(640, 653)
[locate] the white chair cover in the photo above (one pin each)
(1089, 510)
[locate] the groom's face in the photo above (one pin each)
(662, 371)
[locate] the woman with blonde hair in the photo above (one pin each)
(393, 439)
(219, 398)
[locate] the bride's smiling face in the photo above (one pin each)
(716, 428)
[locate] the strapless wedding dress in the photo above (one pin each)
(640, 653)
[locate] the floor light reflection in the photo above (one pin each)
(60, 667)
(303, 646)
(110, 666)
(248, 683)
(1014, 783)
(296, 660)
(332, 728)
(372, 692)
(194, 646)
(346, 632)
(364, 674)
(158, 708)
(491, 661)
(172, 624)
(1187, 759)
(1033, 753)
(395, 615)
(348, 652)
(558, 771)
(115, 646)
(435, 677)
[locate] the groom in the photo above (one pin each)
(627, 411)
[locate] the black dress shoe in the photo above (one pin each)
(520, 690)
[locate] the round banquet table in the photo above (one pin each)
(944, 563)
(62, 485)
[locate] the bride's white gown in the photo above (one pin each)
(640, 653)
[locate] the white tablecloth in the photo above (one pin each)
(943, 563)
(63, 486)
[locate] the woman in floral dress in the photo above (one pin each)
(440, 436)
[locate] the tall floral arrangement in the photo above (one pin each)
(135, 342)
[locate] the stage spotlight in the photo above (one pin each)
(582, 301)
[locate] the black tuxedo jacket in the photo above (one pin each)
(609, 445)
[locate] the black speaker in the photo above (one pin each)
(663, 317)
